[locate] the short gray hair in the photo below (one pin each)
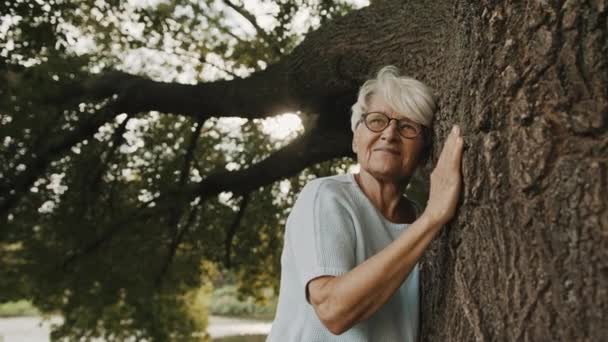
(405, 95)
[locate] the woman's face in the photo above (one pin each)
(386, 155)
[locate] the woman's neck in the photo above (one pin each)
(385, 195)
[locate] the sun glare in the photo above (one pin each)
(282, 126)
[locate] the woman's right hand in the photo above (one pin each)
(446, 181)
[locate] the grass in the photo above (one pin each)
(18, 308)
(244, 338)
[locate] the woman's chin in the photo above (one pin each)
(388, 174)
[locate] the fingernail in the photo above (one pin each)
(455, 129)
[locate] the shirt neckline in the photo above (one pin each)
(353, 181)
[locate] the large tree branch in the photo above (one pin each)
(313, 147)
(260, 95)
(321, 75)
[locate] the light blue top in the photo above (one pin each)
(332, 228)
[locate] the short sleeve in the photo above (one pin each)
(321, 233)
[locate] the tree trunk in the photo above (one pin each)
(527, 256)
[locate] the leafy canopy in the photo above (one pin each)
(92, 223)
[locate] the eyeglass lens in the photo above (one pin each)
(377, 122)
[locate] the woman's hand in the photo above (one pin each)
(446, 181)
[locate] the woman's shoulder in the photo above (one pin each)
(326, 189)
(324, 194)
(336, 183)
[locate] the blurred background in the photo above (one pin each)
(101, 236)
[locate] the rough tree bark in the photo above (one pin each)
(526, 258)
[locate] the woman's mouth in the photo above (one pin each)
(387, 150)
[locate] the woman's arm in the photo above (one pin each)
(341, 302)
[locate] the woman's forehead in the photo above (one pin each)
(379, 104)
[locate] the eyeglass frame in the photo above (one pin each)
(419, 127)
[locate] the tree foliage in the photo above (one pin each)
(94, 221)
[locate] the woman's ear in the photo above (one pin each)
(355, 141)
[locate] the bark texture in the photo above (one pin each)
(526, 259)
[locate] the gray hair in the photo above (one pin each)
(405, 95)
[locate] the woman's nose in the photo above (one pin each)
(391, 131)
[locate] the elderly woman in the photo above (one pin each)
(352, 242)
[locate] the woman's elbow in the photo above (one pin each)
(338, 330)
(332, 317)
(327, 307)
(336, 325)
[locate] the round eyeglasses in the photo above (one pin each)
(378, 121)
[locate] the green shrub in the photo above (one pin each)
(226, 301)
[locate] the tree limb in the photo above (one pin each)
(177, 207)
(313, 147)
(325, 84)
(233, 228)
(142, 212)
(175, 243)
(253, 21)
(222, 69)
(39, 160)
(214, 21)
(321, 74)
(261, 95)
(117, 139)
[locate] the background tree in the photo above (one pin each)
(527, 81)
(84, 229)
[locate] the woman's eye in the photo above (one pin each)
(406, 126)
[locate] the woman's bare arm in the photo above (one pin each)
(341, 302)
